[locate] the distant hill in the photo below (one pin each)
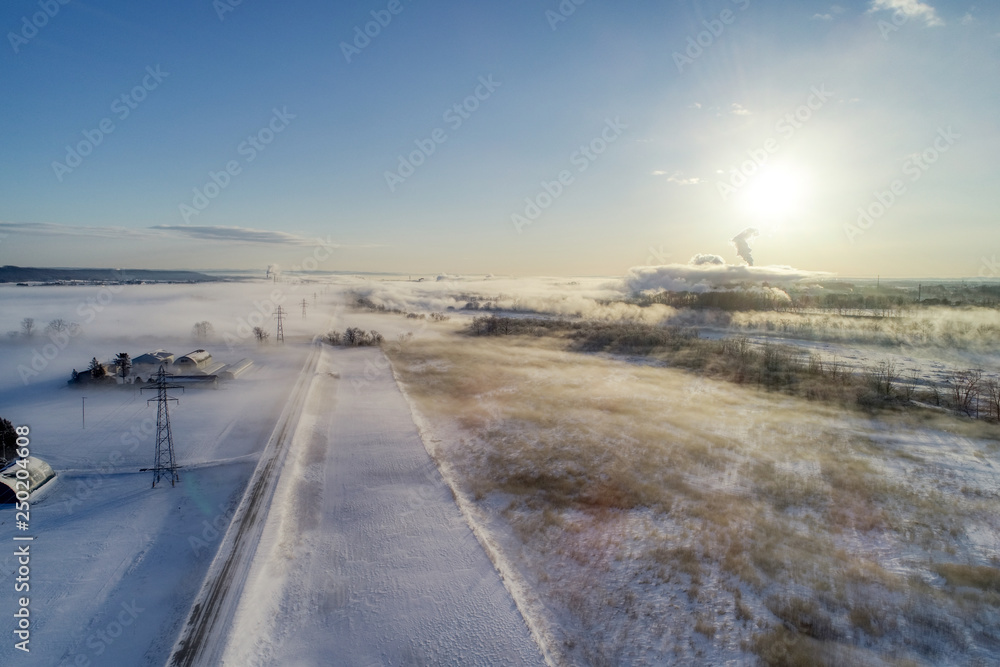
(18, 274)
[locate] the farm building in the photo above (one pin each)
(193, 361)
(210, 381)
(38, 473)
(212, 369)
(233, 371)
(149, 363)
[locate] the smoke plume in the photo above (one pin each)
(742, 243)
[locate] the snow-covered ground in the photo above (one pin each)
(115, 563)
(365, 558)
(362, 555)
(105, 542)
(377, 563)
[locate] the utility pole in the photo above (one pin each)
(83, 411)
(279, 314)
(164, 465)
(303, 309)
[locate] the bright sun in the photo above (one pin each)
(777, 192)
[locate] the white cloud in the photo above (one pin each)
(739, 110)
(910, 9)
(678, 177)
(822, 17)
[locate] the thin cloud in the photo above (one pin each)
(236, 234)
(739, 110)
(205, 233)
(911, 9)
(53, 229)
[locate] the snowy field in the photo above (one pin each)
(365, 554)
(552, 506)
(115, 564)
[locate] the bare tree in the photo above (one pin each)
(965, 387)
(883, 378)
(203, 330)
(260, 334)
(28, 327)
(992, 390)
(57, 326)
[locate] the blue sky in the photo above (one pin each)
(888, 94)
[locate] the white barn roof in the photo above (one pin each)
(154, 358)
(39, 472)
(196, 358)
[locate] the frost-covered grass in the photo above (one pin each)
(665, 517)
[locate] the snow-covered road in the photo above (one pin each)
(365, 558)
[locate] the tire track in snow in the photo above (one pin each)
(202, 639)
(391, 573)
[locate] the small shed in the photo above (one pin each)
(38, 472)
(233, 371)
(193, 361)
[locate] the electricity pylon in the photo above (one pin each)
(279, 314)
(164, 465)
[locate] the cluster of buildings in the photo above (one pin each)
(197, 367)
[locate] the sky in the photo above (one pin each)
(535, 138)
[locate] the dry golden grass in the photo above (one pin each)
(644, 495)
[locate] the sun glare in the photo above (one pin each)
(776, 192)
